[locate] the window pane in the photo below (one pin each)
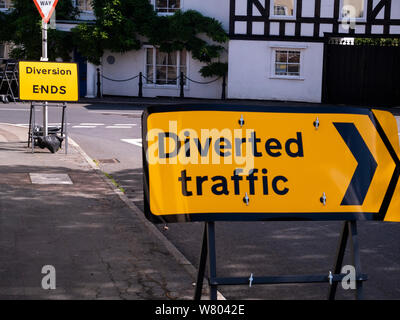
(2, 49)
(183, 58)
(281, 56)
(171, 75)
(84, 5)
(172, 59)
(294, 69)
(168, 5)
(284, 7)
(149, 74)
(353, 8)
(149, 56)
(161, 75)
(161, 58)
(6, 4)
(294, 57)
(174, 4)
(280, 69)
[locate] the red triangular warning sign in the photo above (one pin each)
(46, 8)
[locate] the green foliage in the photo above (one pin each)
(214, 69)
(22, 27)
(377, 41)
(121, 24)
(118, 25)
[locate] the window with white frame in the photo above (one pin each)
(164, 68)
(84, 5)
(353, 9)
(283, 8)
(287, 63)
(167, 6)
(5, 4)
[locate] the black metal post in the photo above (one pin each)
(212, 260)
(30, 127)
(181, 84)
(98, 83)
(140, 94)
(223, 97)
(202, 266)
(356, 259)
(63, 119)
(339, 258)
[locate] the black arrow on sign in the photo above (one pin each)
(362, 178)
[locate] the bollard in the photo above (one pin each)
(181, 84)
(140, 94)
(98, 83)
(223, 96)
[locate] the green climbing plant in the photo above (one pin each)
(123, 25)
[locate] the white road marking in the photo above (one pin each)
(84, 127)
(125, 124)
(116, 112)
(119, 127)
(136, 142)
(91, 124)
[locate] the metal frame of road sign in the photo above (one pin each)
(63, 130)
(302, 216)
(208, 249)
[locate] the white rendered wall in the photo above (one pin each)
(131, 63)
(251, 72)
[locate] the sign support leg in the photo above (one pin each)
(208, 249)
(349, 231)
(30, 132)
(339, 258)
(212, 259)
(355, 251)
(202, 266)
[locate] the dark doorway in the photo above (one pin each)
(82, 67)
(362, 72)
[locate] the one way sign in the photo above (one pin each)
(46, 8)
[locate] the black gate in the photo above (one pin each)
(362, 72)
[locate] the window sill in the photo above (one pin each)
(166, 13)
(287, 77)
(347, 20)
(272, 17)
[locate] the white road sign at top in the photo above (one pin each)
(46, 8)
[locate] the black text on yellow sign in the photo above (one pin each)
(48, 81)
(203, 165)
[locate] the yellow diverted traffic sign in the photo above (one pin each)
(48, 81)
(209, 163)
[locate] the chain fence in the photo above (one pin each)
(180, 81)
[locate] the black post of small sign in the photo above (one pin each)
(208, 249)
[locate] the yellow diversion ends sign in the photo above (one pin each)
(48, 81)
